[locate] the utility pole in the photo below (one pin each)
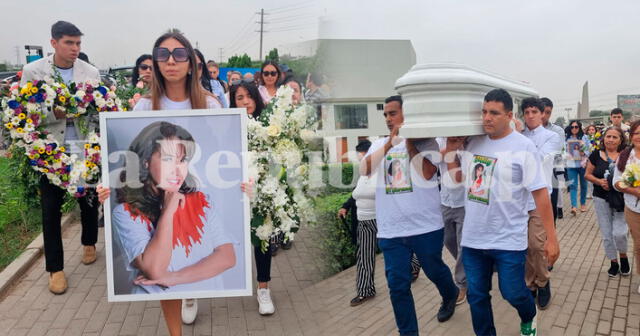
(261, 30)
(220, 59)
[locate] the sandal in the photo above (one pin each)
(574, 211)
(358, 300)
(583, 208)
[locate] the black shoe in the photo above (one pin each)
(550, 268)
(624, 266)
(613, 270)
(358, 300)
(544, 296)
(560, 215)
(534, 293)
(287, 245)
(448, 308)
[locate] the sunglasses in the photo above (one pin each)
(575, 126)
(145, 67)
(270, 73)
(163, 54)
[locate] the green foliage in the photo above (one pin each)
(125, 91)
(338, 252)
(236, 61)
(345, 182)
(273, 55)
(4, 66)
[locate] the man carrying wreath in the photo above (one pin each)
(65, 40)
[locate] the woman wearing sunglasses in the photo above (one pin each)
(142, 73)
(270, 78)
(176, 87)
(578, 151)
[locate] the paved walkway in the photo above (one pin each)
(585, 302)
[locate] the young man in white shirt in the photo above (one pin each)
(501, 171)
(65, 40)
(452, 204)
(617, 119)
(549, 144)
(409, 218)
(559, 173)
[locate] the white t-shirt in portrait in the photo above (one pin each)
(499, 178)
(406, 203)
(144, 104)
(196, 233)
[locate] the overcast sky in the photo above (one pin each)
(554, 45)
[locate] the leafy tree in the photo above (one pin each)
(236, 61)
(273, 55)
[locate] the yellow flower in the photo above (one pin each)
(34, 90)
(22, 116)
(87, 163)
(96, 148)
(24, 91)
(62, 149)
(29, 85)
(636, 183)
(29, 121)
(87, 146)
(8, 125)
(62, 85)
(32, 157)
(62, 99)
(46, 163)
(19, 130)
(41, 150)
(49, 152)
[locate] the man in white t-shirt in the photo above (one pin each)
(409, 218)
(559, 174)
(66, 40)
(617, 120)
(549, 144)
(501, 171)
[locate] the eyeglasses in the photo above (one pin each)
(145, 67)
(575, 127)
(270, 73)
(163, 54)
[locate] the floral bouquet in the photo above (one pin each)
(631, 175)
(594, 141)
(24, 111)
(278, 140)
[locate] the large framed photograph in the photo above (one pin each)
(573, 148)
(177, 224)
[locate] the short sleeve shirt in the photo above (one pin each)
(193, 239)
(499, 178)
(406, 203)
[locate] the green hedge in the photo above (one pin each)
(338, 251)
(346, 182)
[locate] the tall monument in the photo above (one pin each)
(583, 105)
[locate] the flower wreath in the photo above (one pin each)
(278, 141)
(23, 115)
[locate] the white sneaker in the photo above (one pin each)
(189, 310)
(265, 302)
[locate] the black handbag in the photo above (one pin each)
(614, 197)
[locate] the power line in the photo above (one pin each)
(241, 31)
(284, 9)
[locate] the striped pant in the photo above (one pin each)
(366, 258)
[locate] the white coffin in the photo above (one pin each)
(446, 99)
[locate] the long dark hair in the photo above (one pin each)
(205, 76)
(624, 156)
(147, 200)
(197, 94)
(253, 93)
(135, 75)
(567, 130)
(264, 65)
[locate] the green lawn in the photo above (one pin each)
(19, 224)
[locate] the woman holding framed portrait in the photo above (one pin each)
(577, 154)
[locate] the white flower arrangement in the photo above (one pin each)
(278, 141)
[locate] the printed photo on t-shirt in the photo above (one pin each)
(396, 178)
(480, 178)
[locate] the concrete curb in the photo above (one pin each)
(17, 268)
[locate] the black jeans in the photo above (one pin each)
(263, 264)
(51, 199)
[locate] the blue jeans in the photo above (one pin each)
(397, 266)
(575, 175)
(478, 265)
